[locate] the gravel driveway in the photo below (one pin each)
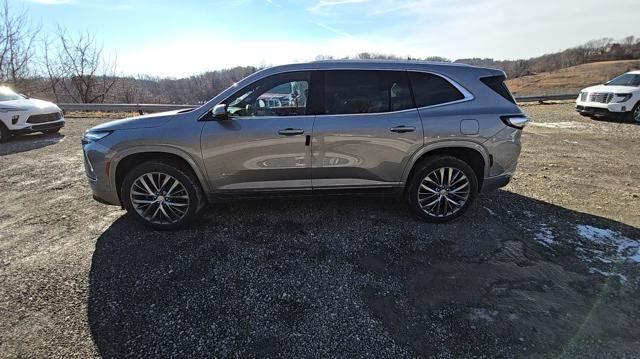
(548, 266)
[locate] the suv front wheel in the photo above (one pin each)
(161, 196)
(442, 189)
(634, 115)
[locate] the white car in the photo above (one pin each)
(21, 115)
(619, 97)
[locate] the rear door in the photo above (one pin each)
(366, 129)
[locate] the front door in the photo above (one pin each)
(265, 142)
(367, 131)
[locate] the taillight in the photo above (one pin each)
(518, 121)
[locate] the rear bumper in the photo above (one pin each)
(39, 128)
(493, 183)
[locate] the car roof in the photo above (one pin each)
(440, 67)
(387, 62)
(636, 72)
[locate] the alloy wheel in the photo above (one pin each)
(159, 198)
(443, 192)
(636, 114)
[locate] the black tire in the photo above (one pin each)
(630, 116)
(5, 134)
(196, 198)
(52, 131)
(428, 166)
(585, 114)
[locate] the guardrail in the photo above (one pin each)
(128, 107)
(122, 107)
(542, 98)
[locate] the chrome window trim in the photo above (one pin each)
(468, 96)
(263, 117)
(369, 113)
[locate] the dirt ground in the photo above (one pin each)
(549, 266)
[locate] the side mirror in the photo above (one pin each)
(219, 112)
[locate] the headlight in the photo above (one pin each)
(622, 97)
(12, 109)
(92, 136)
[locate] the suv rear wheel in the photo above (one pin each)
(442, 189)
(161, 196)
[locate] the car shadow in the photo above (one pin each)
(613, 119)
(30, 142)
(349, 276)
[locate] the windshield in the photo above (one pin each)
(625, 80)
(6, 94)
(284, 89)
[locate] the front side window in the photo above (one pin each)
(430, 89)
(277, 95)
(354, 92)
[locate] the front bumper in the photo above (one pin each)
(39, 127)
(97, 161)
(603, 109)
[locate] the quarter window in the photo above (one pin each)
(277, 95)
(430, 89)
(354, 92)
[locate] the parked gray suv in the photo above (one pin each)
(433, 133)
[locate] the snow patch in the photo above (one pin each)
(483, 314)
(545, 236)
(490, 211)
(562, 124)
(624, 248)
(623, 278)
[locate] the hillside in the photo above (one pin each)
(570, 79)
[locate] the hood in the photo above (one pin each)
(146, 121)
(28, 104)
(614, 89)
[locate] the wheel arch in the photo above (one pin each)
(474, 154)
(131, 158)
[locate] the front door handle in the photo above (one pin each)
(291, 131)
(403, 129)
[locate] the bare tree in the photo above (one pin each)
(77, 68)
(17, 44)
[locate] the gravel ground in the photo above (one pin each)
(548, 266)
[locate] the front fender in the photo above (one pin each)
(196, 166)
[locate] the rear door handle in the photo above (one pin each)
(403, 129)
(291, 131)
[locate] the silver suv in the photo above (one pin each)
(433, 133)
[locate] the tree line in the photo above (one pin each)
(604, 49)
(66, 67)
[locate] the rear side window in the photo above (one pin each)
(496, 83)
(361, 91)
(430, 89)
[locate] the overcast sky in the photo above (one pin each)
(179, 38)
